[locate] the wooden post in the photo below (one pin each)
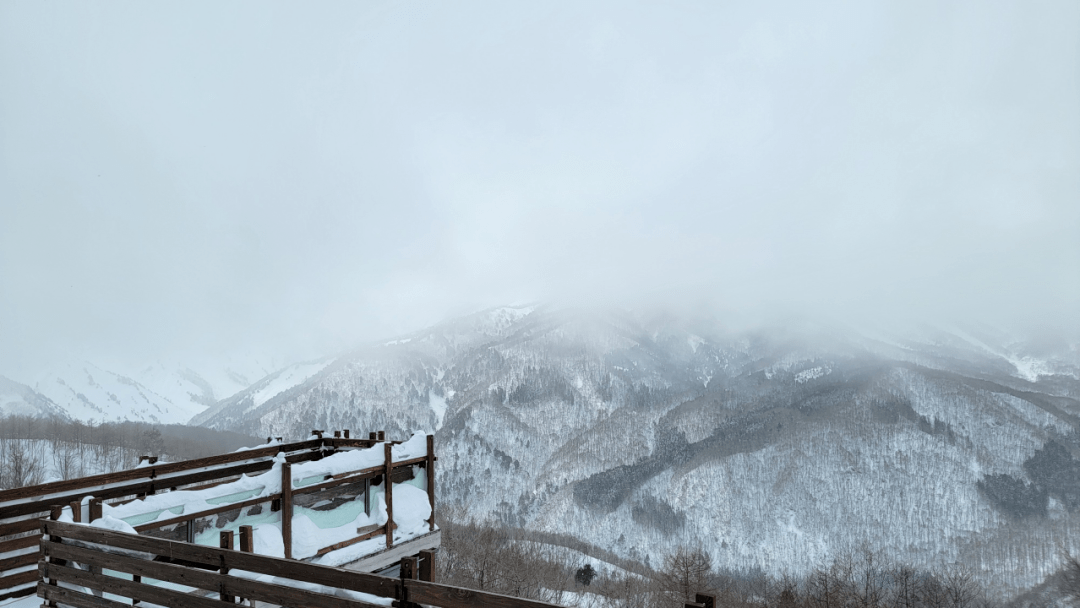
(247, 545)
(408, 568)
(367, 497)
(429, 472)
(382, 435)
(373, 436)
(54, 514)
(346, 433)
(317, 432)
(337, 434)
(388, 489)
(427, 566)
(76, 511)
(286, 508)
(95, 509)
(247, 539)
(226, 543)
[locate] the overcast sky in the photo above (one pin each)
(223, 176)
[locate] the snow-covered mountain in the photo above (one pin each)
(773, 448)
(19, 399)
(155, 392)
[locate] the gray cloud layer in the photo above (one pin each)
(210, 176)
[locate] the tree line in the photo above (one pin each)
(497, 559)
(34, 450)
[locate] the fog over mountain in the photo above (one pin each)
(775, 448)
(178, 179)
(784, 277)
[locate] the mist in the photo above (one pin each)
(210, 178)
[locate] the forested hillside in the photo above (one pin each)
(776, 449)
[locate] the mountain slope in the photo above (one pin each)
(773, 448)
(19, 399)
(156, 392)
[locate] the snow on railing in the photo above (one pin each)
(333, 484)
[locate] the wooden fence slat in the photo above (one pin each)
(20, 543)
(421, 592)
(20, 592)
(17, 527)
(19, 561)
(296, 570)
(75, 598)
(208, 580)
(129, 589)
(71, 597)
(21, 578)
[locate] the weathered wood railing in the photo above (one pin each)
(22, 508)
(120, 569)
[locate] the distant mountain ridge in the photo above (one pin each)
(774, 448)
(154, 392)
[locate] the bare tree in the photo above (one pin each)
(961, 590)
(22, 463)
(1069, 582)
(686, 573)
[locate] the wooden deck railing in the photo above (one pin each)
(21, 509)
(120, 569)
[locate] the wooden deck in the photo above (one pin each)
(22, 509)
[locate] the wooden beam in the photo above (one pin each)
(226, 539)
(154, 525)
(427, 565)
(365, 533)
(92, 481)
(387, 557)
(247, 539)
(286, 508)
(429, 473)
(35, 506)
(421, 592)
(388, 492)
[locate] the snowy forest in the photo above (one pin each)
(36, 450)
